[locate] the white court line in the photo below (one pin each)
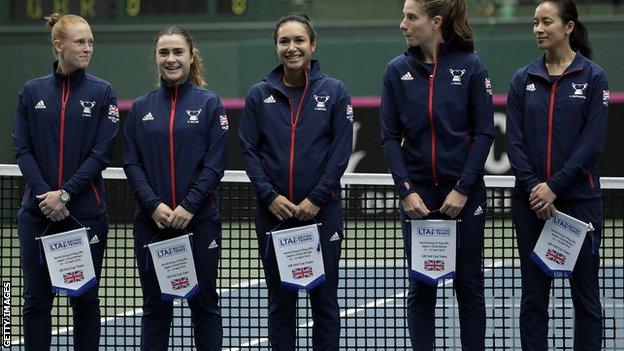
(352, 311)
(139, 311)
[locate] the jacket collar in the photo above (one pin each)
(165, 89)
(75, 78)
(538, 67)
(274, 79)
(415, 53)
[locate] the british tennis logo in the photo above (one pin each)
(300, 273)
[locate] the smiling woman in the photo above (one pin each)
(296, 134)
(176, 145)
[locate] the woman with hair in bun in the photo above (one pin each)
(176, 145)
(437, 129)
(556, 125)
(63, 133)
(296, 134)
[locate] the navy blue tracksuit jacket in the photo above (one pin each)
(299, 152)
(64, 131)
(63, 134)
(556, 128)
(176, 142)
(176, 146)
(555, 134)
(436, 121)
(437, 129)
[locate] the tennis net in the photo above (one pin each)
(373, 278)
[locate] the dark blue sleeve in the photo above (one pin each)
(590, 143)
(249, 134)
(23, 148)
(481, 116)
(214, 161)
(134, 169)
(392, 135)
(101, 151)
(340, 150)
(516, 145)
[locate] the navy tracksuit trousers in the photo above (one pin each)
(468, 281)
(38, 295)
(205, 310)
(323, 298)
(536, 284)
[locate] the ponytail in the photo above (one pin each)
(579, 39)
(197, 69)
(455, 28)
(196, 72)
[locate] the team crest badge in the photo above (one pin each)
(193, 116)
(320, 102)
(86, 107)
(457, 74)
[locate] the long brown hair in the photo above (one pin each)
(197, 68)
(455, 28)
(58, 25)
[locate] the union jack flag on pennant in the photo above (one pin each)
(300, 273)
(434, 265)
(180, 283)
(556, 257)
(73, 277)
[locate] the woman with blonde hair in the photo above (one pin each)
(63, 133)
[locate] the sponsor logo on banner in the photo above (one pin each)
(457, 74)
(556, 257)
(224, 122)
(86, 107)
(193, 116)
(300, 273)
(169, 251)
(180, 283)
(65, 244)
(320, 102)
(72, 277)
(579, 90)
(113, 113)
(434, 265)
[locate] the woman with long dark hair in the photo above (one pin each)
(556, 125)
(64, 131)
(437, 129)
(296, 134)
(176, 145)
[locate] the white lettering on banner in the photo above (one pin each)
(70, 266)
(299, 257)
(175, 267)
(559, 244)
